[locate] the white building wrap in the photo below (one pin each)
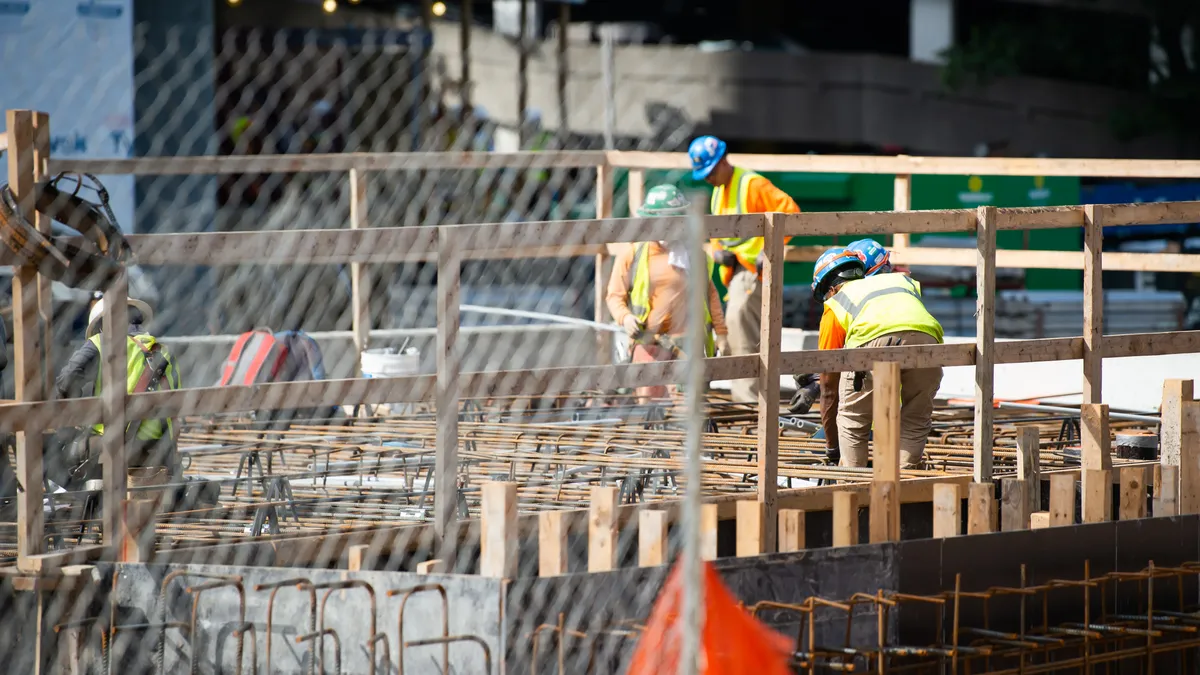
(73, 59)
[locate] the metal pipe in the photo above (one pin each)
(1075, 411)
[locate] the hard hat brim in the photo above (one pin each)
(147, 316)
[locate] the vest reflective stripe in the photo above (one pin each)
(746, 248)
(639, 294)
(880, 305)
(136, 364)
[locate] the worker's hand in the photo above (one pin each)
(802, 401)
(758, 262)
(833, 456)
(633, 327)
(725, 258)
(723, 345)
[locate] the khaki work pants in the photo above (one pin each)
(743, 316)
(917, 390)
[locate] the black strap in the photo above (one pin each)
(157, 364)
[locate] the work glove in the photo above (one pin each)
(833, 456)
(803, 400)
(725, 258)
(723, 345)
(633, 327)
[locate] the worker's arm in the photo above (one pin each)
(832, 336)
(80, 370)
(714, 309)
(619, 284)
(764, 197)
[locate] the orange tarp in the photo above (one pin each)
(732, 641)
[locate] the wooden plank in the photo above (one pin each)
(770, 332)
(792, 530)
(1093, 304)
(1189, 459)
(41, 159)
(947, 505)
(449, 366)
(1014, 504)
(1175, 392)
(1133, 493)
(709, 521)
(490, 236)
(652, 538)
(985, 339)
(358, 558)
(845, 518)
(28, 359)
(981, 508)
(1029, 463)
(434, 566)
(360, 284)
(1095, 439)
(603, 263)
(864, 358)
(1096, 491)
(1038, 350)
(114, 364)
(1028, 259)
(602, 529)
(867, 223)
(137, 531)
(1062, 499)
(884, 512)
(1151, 213)
(1039, 520)
(751, 528)
(1148, 344)
(901, 201)
(636, 190)
(499, 544)
(1166, 491)
(553, 527)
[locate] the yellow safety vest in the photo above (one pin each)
(881, 305)
(139, 346)
(639, 295)
(745, 248)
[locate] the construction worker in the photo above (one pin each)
(883, 310)
(149, 444)
(737, 190)
(647, 293)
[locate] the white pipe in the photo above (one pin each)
(553, 318)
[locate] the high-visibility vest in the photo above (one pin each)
(881, 305)
(639, 295)
(745, 248)
(136, 380)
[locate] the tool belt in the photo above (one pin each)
(861, 375)
(664, 341)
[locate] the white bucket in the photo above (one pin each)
(390, 363)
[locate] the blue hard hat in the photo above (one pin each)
(875, 256)
(834, 264)
(705, 152)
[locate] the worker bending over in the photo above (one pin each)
(737, 190)
(884, 310)
(150, 451)
(647, 292)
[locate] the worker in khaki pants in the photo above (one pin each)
(738, 190)
(884, 310)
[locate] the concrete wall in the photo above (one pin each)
(812, 98)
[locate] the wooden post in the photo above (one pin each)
(1175, 393)
(434, 566)
(901, 201)
(1029, 464)
(28, 356)
(1014, 506)
(1062, 499)
(499, 543)
(564, 23)
(1097, 495)
(604, 208)
(709, 520)
(1189, 459)
(792, 529)
(137, 542)
(464, 72)
(602, 529)
(1093, 305)
(358, 558)
(114, 368)
(1095, 439)
(981, 508)
(1166, 491)
(750, 529)
(770, 336)
(360, 284)
(1133, 493)
(885, 475)
(449, 366)
(523, 50)
(985, 338)
(636, 190)
(552, 543)
(845, 518)
(1039, 520)
(652, 538)
(947, 510)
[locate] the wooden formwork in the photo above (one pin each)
(360, 245)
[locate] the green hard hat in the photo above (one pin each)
(664, 200)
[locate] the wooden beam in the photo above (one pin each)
(751, 528)
(1029, 463)
(652, 538)
(947, 515)
(499, 545)
(137, 532)
(358, 558)
(1014, 506)
(602, 529)
(985, 339)
(981, 508)
(434, 566)
(1039, 520)
(360, 284)
(1189, 459)
(636, 190)
(845, 518)
(1062, 499)
(1097, 495)
(709, 521)
(1133, 493)
(884, 512)
(771, 328)
(867, 223)
(1095, 439)
(864, 358)
(114, 362)
(552, 543)
(603, 263)
(1027, 259)
(1166, 491)
(449, 365)
(792, 530)
(1093, 304)
(901, 201)
(1175, 393)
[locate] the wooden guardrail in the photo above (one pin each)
(450, 245)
